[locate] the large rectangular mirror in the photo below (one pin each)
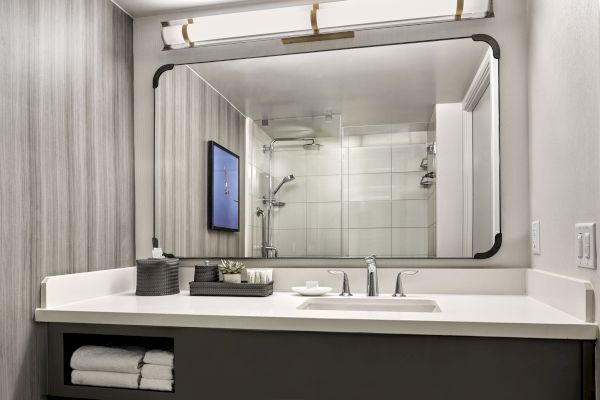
(389, 150)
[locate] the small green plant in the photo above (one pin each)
(231, 267)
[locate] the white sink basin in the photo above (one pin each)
(370, 304)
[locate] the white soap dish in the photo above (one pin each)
(311, 291)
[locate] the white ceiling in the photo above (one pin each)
(144, 8)
(369, 86)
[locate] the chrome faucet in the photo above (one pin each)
(372, 282)
(345, 284)
(399, 292)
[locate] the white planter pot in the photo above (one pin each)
(232, 278)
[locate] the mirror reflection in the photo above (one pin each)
(389, 150)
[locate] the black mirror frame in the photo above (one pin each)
(493, 43)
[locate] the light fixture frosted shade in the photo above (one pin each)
(372, 13)
(250, 24)
(334, 16)
(237, 26)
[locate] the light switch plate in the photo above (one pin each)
(535, 238)
(585, 245)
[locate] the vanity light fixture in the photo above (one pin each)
(325, 21)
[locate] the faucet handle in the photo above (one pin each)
(345, 283)
(399, 292)
(408, 272)
(370, 258)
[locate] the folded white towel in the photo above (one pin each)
(107, 379)
(156, 384)
(159, 357)
(107, 359)
(151, 371)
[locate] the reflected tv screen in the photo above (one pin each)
(223, 189)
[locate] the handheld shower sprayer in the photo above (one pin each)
(285, 180)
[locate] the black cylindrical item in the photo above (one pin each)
(206, 273)
(157, 277)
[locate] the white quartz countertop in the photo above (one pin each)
(460, 315)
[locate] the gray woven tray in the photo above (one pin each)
(231, 289)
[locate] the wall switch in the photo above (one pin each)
(585, 245)
(535, 238)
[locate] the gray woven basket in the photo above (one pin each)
(231, 289)
(157, 277)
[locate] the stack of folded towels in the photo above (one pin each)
(107, 366)
(123, 367)
(157, 371)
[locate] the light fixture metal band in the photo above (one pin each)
(313, 18)
(316, 35)
(184, 31)
(460, 5)
(318, 38)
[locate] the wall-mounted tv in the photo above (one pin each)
(223, 189)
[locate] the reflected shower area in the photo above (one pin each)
(322, 189)
(296, 166)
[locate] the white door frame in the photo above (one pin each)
(486, 76)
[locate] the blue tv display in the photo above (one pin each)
(223, 189)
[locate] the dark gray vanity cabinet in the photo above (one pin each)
(220, 364)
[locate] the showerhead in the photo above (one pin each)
(312, 146)
(285, 180)
(289, 178)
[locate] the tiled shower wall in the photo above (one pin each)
(386, 211)
(353, 197)
(311, 220)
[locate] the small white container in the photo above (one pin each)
(263, 276)
(251, 276)
(259, 275)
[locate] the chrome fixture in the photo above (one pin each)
(265, 250)
(285, 180)
(268, 249)
(271, 146)
(312, 146)
(345, 284)
(271, 251)
(432, 148)
(399, 292)
(372, 282)
(428, 164)
(427, 179)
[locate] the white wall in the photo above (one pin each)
(449, 179)
(564, 126)
(483, 174)
(508, 27)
